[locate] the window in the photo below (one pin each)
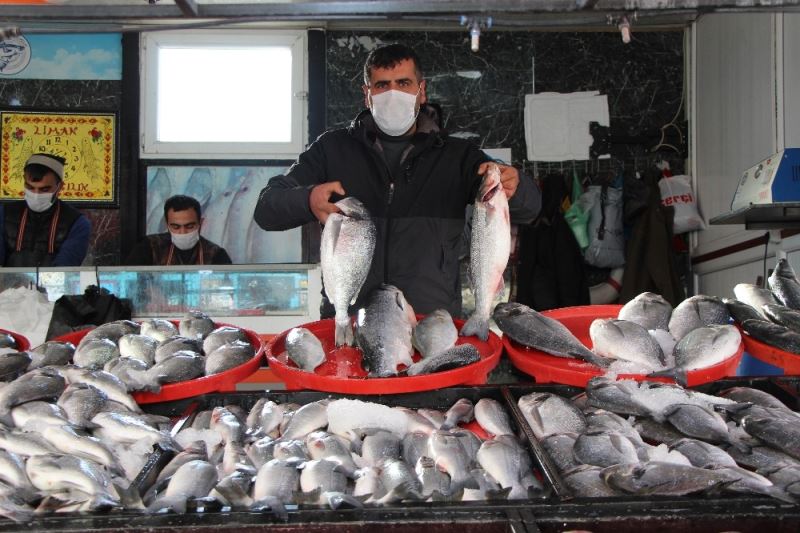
(223, 94)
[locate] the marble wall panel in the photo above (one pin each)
(482, 94)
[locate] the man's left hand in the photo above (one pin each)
(509, 177)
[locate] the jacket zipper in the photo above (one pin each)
(388, 231)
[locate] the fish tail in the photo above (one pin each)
(517, 492)
(476, 325)
(344, 333)
(680, 376)
(176, 505)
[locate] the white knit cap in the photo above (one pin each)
(48, 161)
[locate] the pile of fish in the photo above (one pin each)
(770, 315)
(625, 437)
(343, 452)
(157, 352)
(71, 438)
(387, 332)
(648, 336)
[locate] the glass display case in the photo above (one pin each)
(273, 290)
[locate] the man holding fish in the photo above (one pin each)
(413, 179)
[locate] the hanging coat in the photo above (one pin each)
(550, 273)
(649, 257)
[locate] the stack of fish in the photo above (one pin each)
(625, 437)
(157, 352)
(647, 337)
(387, 335)
(344, 453)
(770, 316)
(71, 438)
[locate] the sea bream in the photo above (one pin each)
(346, 248)
(702, 348)
(784, 284)
(535, 330)
(754, 296)
(489, 250)
(695, 312)
(629, 341)
(649, 310)
(304, 349)
(384, 331)
(435, 333)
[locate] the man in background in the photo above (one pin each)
(41, 230)
(182, 243)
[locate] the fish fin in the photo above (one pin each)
(344, 334)
(498, 494)
(501, 285)
(741, 446)
(340, 500)
(271, 503)
(477, 326)
(15, 511)
(720, 487)
(129, 497)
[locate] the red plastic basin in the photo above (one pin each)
(22, 342)
(224, 381)
(788, 361)
(342, 370)
(546, 368)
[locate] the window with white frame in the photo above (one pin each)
(223, 94)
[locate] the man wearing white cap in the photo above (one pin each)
(42, 230)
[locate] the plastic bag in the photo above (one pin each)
(576, 217)
(27, 312)
(94, 307)
(676, 191)
(607, 243)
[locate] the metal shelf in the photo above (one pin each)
(763, 216)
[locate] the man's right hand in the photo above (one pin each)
(319, 199)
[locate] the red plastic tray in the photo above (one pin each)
(546, 368)
(224, 381)
(342, 370)
(22, 342)
(789, 362)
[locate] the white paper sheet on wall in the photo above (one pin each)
(557, 124)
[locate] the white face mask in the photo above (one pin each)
(185, 241)
(39, 201)
(394, 111)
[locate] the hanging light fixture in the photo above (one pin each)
(475, 25)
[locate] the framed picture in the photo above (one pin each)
(87, 141)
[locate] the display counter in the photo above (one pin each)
(267, 298)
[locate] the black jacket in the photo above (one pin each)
(155, 250)
(68, 247)
(550, 273)
(650, 263)
(419, 214)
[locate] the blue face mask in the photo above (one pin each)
(39, 201)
